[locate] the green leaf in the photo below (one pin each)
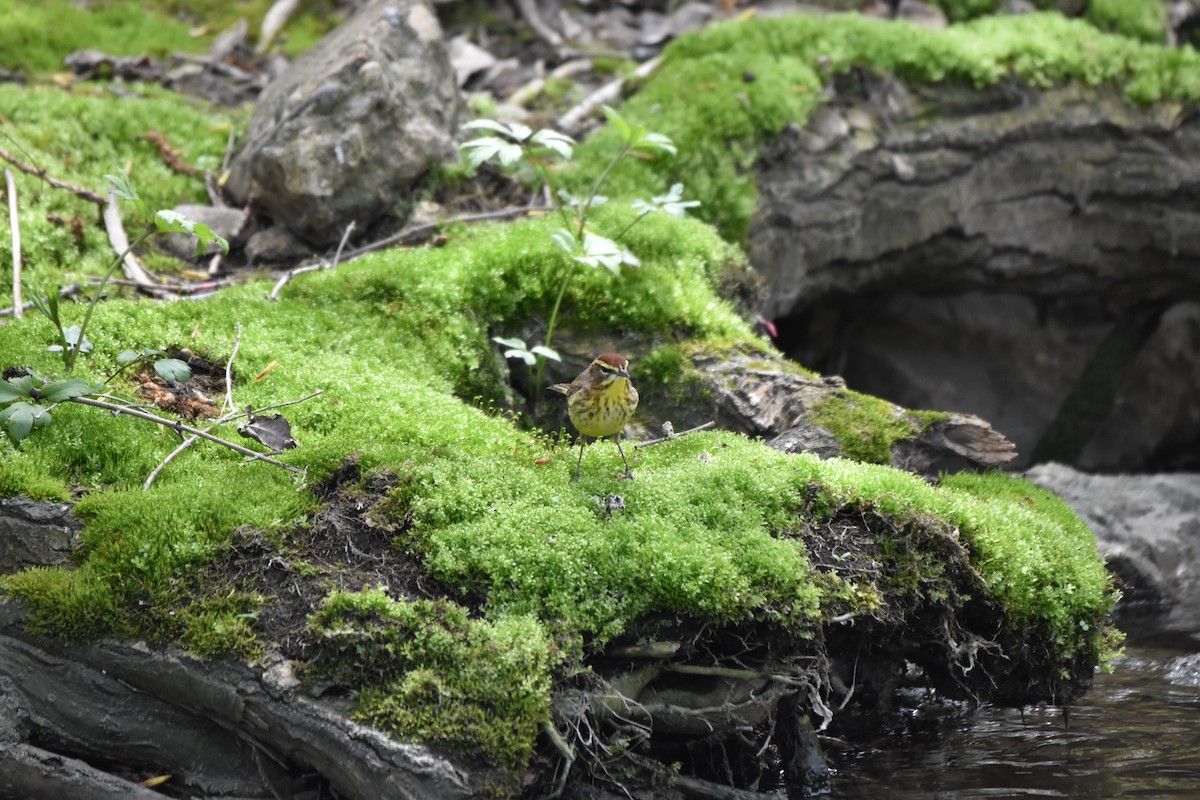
(490, 148)
(514, 343)
(618, 122)
(19, 419)
(522, 354)
(653, 141)
(599, 251)
(553, 140)
(564, 240)
(513, 130)
(173, 222)
(127, 357)
(122, 188)
(23, 384)
(9, 392)
(172, 369)
(545, 352)
(64, 390)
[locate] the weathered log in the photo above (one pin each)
(211, 723)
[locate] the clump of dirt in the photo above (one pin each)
(189, 400)
(343, 548)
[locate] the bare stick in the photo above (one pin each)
(181, 429)
(132, 268)
(188, 442)
(14, 224)
(237, 342)
(419, 233)
(534, 20)
(291, 273)
(65, 291)
(672, 435)
(86, 194)
(605, 94)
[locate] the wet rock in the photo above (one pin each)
(943, 250)
(347, 132)
(1148, 527)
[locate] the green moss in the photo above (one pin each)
(701, 96)
(868, 426)
(430, 673)
(78, 136)
(36, 37)
(1144, 20)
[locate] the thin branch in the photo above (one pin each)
(181, 429)
(419, 233)
(86, 194)
(14, 223)
(535, 22)
(237, 343)
(291, 273)
(672, 435)
(65, 291)
(605, 94)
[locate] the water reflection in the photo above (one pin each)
(1135, 735)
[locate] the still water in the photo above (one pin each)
(1136, 734)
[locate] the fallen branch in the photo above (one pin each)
(605, 94)
(419, 233)
(669, 434)
(14, 223)
(86, 194)
(535, 22)
(181, 429)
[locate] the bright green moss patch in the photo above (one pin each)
(724, 91)
(868, 426)
(431, 673)
(36, 37)
(1144, 20)
(77, 136)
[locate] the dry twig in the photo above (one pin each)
(291, 273)
(671, 434)
(605, 94)
(86, 194)
(181, 429)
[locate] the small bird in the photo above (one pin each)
(600, 401)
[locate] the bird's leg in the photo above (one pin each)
(628, 471)
(579, 463)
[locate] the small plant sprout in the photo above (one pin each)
(518, 349)
(72, 340)
(513, 144)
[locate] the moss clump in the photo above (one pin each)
(36, 37)
(868, 426)
(78, 136)
(720, 93)
(1144, 20)
(429, 672)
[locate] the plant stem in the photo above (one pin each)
(74, 351)
(583, 212)
(541, 364)
(545, 175)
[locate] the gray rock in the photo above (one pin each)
(1015, 254)
(35, 533)
(346, 133)
(1148, 527)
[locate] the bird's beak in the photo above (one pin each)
(624, 373)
